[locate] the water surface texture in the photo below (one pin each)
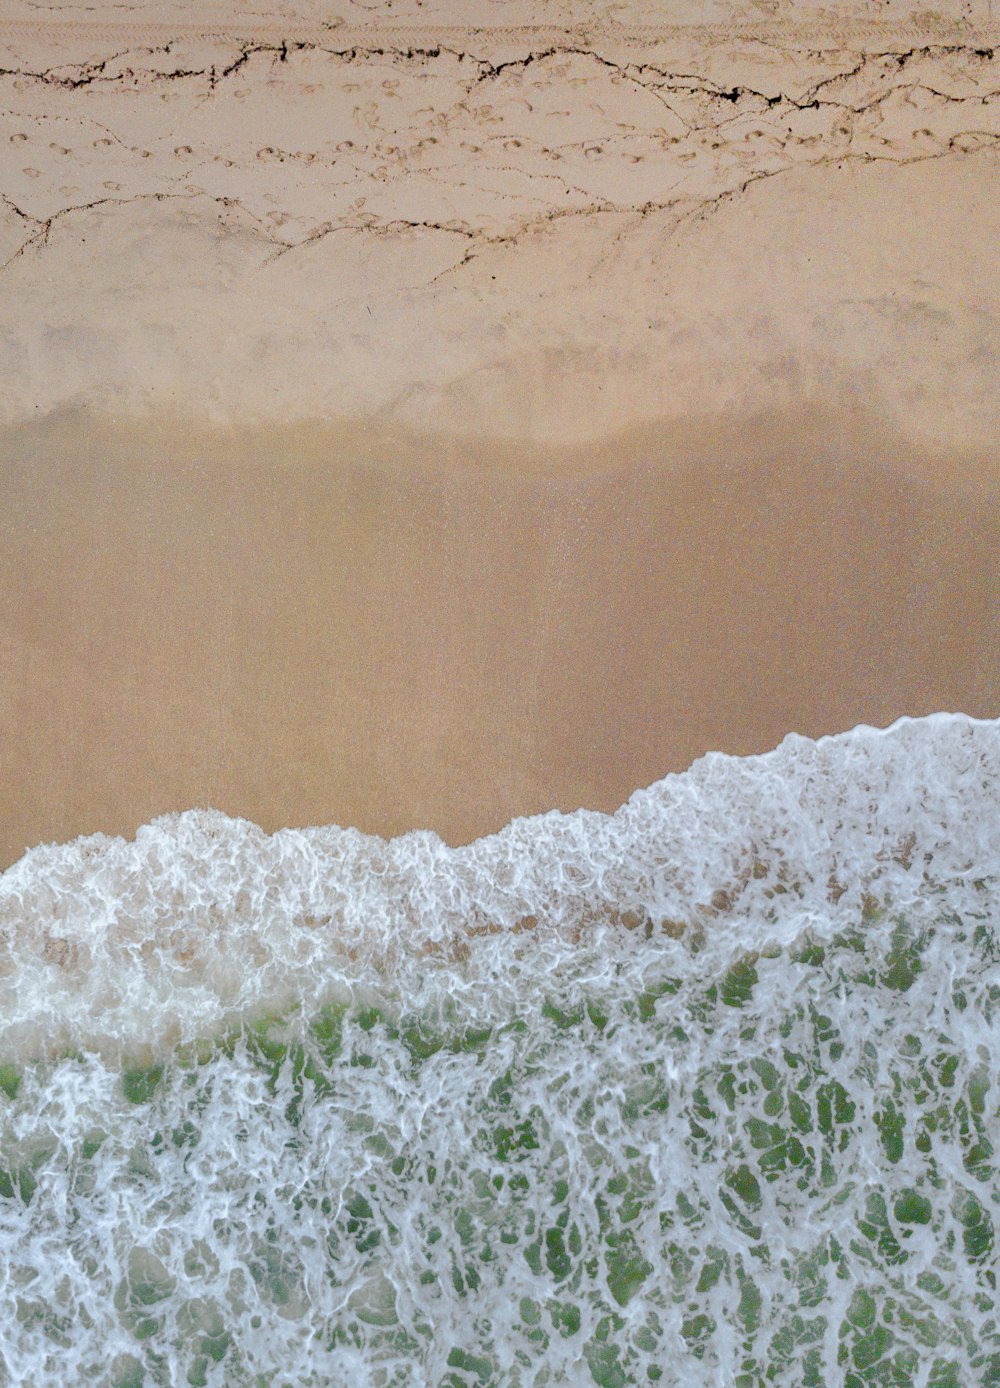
(701, 1092)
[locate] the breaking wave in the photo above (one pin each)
(698, 1092)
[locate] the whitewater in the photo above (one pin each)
(701, 1092)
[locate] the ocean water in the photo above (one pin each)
(701, 1092)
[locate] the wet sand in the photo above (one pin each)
(323, 623)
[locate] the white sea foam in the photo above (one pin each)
(701, 1092)
(203, 919)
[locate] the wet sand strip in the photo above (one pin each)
(327, 623)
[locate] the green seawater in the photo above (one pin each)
(650, 1169)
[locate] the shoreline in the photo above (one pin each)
(696, 860)
(319, 624)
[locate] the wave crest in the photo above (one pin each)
(203, 919)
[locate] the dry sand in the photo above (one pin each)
(417, 418)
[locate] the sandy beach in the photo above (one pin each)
(416, 419)
(436, 417)
(319, 624)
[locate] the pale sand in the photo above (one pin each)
(545, 219)
(321, 625)
(696, 308)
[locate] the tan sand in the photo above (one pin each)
(313, 625)
(421, 413)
